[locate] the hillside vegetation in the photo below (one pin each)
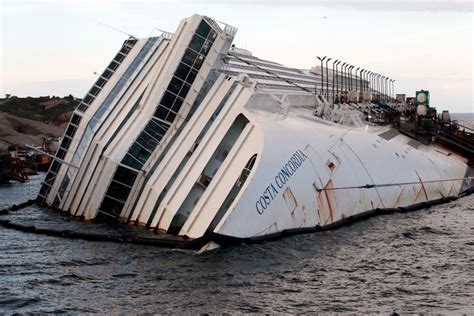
(29, 120)
(44, 109)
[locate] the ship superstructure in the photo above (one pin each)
(186, 135)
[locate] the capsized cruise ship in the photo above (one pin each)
(194, 139)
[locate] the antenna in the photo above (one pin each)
(116, 29)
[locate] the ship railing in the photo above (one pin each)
(464, 125)
(160, 33)
(220, 26)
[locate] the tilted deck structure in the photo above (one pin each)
(186, 135)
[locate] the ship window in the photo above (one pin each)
(125, 49)
(198, 62)
(107, 74)
(112, 206)
(146, 141)
(125, 176)
(171, 116)
(75, 119)
(212, 36)
(153, 140)
(175, 85)
(118, 191)
(184, 90)
(177, 104)
(61, 153)
(70, 131)
(196, 43)
(116, 199)
(66, 142)
(189, 57)
(82, 107)
(113, 65)
(131, 161)
(101, 82)
(161, 112)
(155, 130)
(203, 29)
(122, 184)
(88, 99)
(139, 153)
(191, 76)
(94, 91)
(206, 47)
(55, 166)
(130, 42)
(119, 58)
(168, 99)
(233, 193)
(182, 71)
(44, 191)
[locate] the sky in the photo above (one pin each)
(54, 47)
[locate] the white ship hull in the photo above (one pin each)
(188, 139)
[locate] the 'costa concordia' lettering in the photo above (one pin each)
(183, 134)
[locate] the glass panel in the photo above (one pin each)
(88, 99)
(168, 99)
(232, 193)
(206, 47)
(82, 107)
(125, 49)
(126, 176)
(107, 74)
(171, 116)
(70, 131)
(146, 141)
(184, 90)
(75, 119)
(119, 57)
(212, 36)
(156, 130)
(44, 191)
(182, 71)
(175, 85)
(191, 76)
(55, 166)
(138, 152)
(101, 82)
(189, 57)
(112, 206)
(198, 62)
(66, 142)
(61, 153)
(94, 91)
(196, 43)
(113, 65)
(118, 191)
(203, 29)
(132, 162)
(177, 105)
(161, 112)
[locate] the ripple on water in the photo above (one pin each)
(420, 262)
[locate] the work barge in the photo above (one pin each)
(205, 145)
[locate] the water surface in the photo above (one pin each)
(420, 262)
